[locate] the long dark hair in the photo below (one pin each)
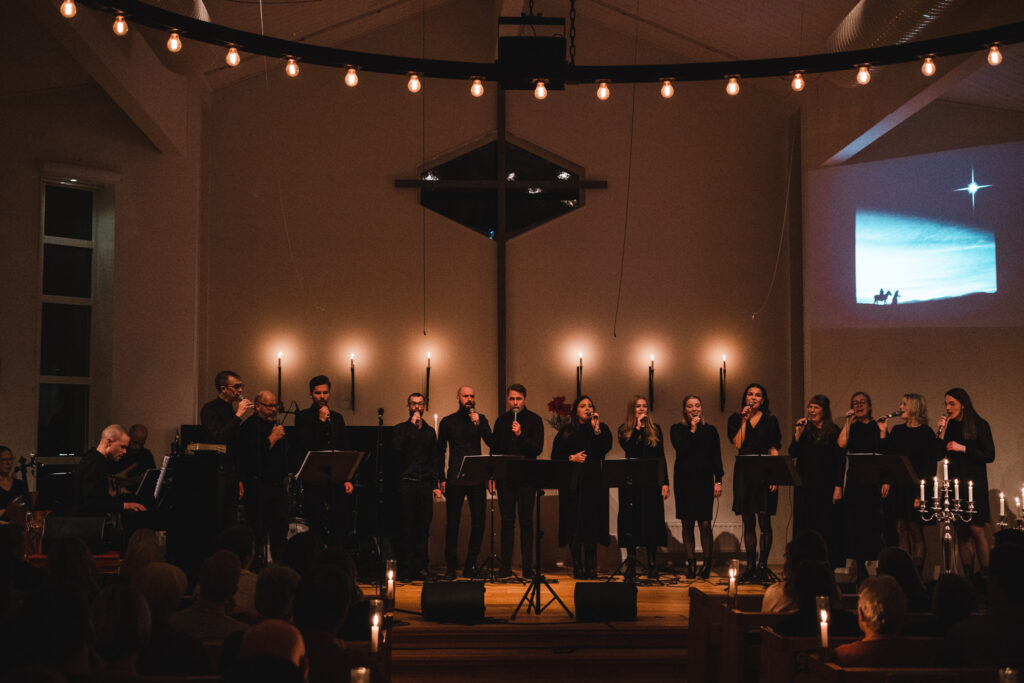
(970, 416)
(764, 398)
(828, 427)
(574, 422)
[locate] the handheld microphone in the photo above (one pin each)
(895, 413)
(515, 414)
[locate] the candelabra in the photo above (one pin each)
(1016, 520)
(946, 508)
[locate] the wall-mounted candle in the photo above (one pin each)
(579, 377)
(1016, 501)
(945, 469)
(922, 490)
(280, 399)
(956, 489)
(1022, 492)
(935, 487)
(1002, 504)
(650, 384)
(970, 492)
(435, 422)
(721, 385)
(352, 369)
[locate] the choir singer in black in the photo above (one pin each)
(413, 443)
(519, 431)
(263, 466)
(697, 478)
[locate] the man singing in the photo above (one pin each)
(318, 428)
(460, 433)
(221, 420)
(518, 432)
(413, 443)
(263, 466)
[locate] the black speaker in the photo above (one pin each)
(89, 529)
(458, 603)
(602, 601)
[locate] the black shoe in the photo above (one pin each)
(502, 572)
(527, 573)
(590, 574)
(652, 572)
(705, 569)
(469, 571)
(450, 574)
(691, 569)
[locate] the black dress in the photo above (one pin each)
(917, 443)
(821, 464)
(763, 437)
(641, 519)
(863, 497)
(971, 466)
(583, 511)
(698, 468)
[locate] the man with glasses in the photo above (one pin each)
(419, 474)
(263, 467)
(221, 420)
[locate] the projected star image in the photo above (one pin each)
(972, 188)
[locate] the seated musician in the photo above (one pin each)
(92, 486)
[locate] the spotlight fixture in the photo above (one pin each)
(120, 25)
(541, 91)
(477, 89)
(351, 77)
(928, 67)
(603, 91)
(292, 68)
(232, 57)
(174, 42)
(733, 86)
(415, 84)
(798, 82)
(863, 75)
(667, 89)
(995, 57)
(68, 9)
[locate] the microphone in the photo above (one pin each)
(380, 412)
(515, 414)
(895, 413)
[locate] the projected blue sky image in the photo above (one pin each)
(921, 259)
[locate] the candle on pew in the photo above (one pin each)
(824, 628)
(375, 632)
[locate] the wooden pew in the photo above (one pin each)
(707, 610)
(779, 654)
(828, 672)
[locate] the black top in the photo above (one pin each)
(257, 461)
(820, 462)
(18, 488)
(864, 437)
(918, 444)
(220, 422)
(311, 434)
(759, 438)
(636, 447)
(414, 449)
(92, 490)
(136, 461)
(970, 465)
(699, 452)
(583, 511)
(528, 444)
(461, 437)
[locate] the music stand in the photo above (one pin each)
(636, 474)
(328, 467)
(478, 469)
(542, 474)
(764, 470)
(871, 468)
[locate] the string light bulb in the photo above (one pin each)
(667, 89)
(174, 42)
(351, 77)
(120, 25)
(541, 91)
(232, 57)
(995, 57)
(477, 89)
(68, 9)
(733, 87)
(928, 67)
(415, 84)
(292, 68)
(798, 82)
(863, 75)
(603, 91)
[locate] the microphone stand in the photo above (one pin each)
(379, 536)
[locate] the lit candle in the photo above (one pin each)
(650, 384)
(945, 469)
(360, 674)
(428, 359)
(1002, 504)
(956, 489)
(435, 422)
(970, 492)
(391, 586)
(721, 385)
(579, 377)
(935, 488)
(375, 633)
(824, 628)
(732, 582)
(1016, 501)
(922, 490)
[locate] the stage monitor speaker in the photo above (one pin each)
(602, 601)
(453, 603)
(89, 529)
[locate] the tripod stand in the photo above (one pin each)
(760, 471)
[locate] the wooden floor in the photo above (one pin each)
(551, 646)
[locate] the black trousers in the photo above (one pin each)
(417, 510)
(266, 512)
(477, 498)
(510, 500)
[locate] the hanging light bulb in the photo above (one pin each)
(174, 42)
(292, 68)
(733, 87)
(541, 91)
(232, 57)
(68, 9)
(120, 25)
(603, 91)
(863, 75)
(928, 67)
(415, 85)
(667, 89)
(351, 77)
(798, 82)
(477, 89)
(995, 57)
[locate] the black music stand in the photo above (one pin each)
(635, 474)
(542, 474)
(328, 467)
(872, 468)
(480, 469)
(764, 470)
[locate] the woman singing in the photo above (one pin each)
(821, 464)
(697, 478)
(583, 511)
(966, 440)
(642, 508)
(914, 439)
(754, 430)
(861, 434)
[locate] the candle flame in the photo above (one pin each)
(824, 616)
(376, 620)
(428, 354)
(351, 356)
(723, 357)
(280, 353)
(732, 573)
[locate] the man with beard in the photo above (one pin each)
(413, 443)
(221, 420)
(263, 466)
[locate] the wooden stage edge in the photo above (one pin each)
(551, 646)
